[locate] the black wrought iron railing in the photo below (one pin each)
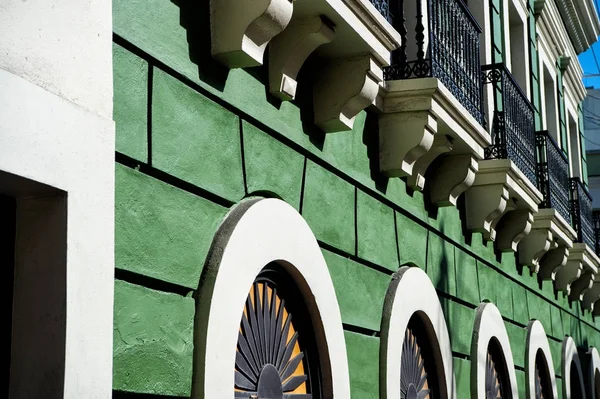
(445, 46)
(513, 126)
(553, 175)
(596, 224)
(581, 212)
(383, 6)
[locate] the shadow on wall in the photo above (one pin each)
(195, 18)
(370, 139)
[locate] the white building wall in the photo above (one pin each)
(56, 129)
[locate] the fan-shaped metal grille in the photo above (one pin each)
(539, 390)
(542, 378)
(493, 387)
(269, 360)
(413, 381)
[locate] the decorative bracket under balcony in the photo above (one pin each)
(501, 203)
(344, 88)
(422, 120)
(589, 263)
(289, 50)
(241, 30)
(571, 271)
(546, 248)
(592, 295)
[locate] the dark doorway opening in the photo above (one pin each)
(8, 219)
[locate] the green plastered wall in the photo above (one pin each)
(194, 138)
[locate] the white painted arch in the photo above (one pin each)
(255, 233)
(593, 368)
(569, 357)
(489, 325)
(538, 341)
(411, 292)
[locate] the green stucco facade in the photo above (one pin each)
(194, 138)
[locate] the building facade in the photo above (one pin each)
(406, 188)
(318, 199)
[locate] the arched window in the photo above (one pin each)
(416, 356)
(268, 323)
(539, 368)
(492, 367)
(276, 353)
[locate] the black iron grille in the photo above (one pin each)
(581, 212)
(553, 175)
(513, 125)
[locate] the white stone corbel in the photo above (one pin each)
(241, 30)
(344, 88)
(451, 176)
(546, 249)
(485, 205)
(591, 296)
(441, 144)
(567, 274)
(403, 139)
(590, 263)
(289, 50)
(580, 286)
(515, 226)
(420, 122)
(534, 246)
(501, 198)
(553, 261)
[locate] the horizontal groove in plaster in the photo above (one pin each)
(360, 330)
(135, 395)
(354, 258)
(319, 161)
(170, 179)
(151, 283)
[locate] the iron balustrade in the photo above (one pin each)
(581, 213)
(450, 53)
(383, 6)
(513, 125)
(552, 174)
(596, 223)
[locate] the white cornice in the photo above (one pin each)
(582, 23)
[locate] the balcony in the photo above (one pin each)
(450, 53)
(433, 116)
(583, 262)
(504, 197)
(547, 247)
(513, 126)
(553, 175)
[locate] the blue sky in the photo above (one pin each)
(591, 64)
